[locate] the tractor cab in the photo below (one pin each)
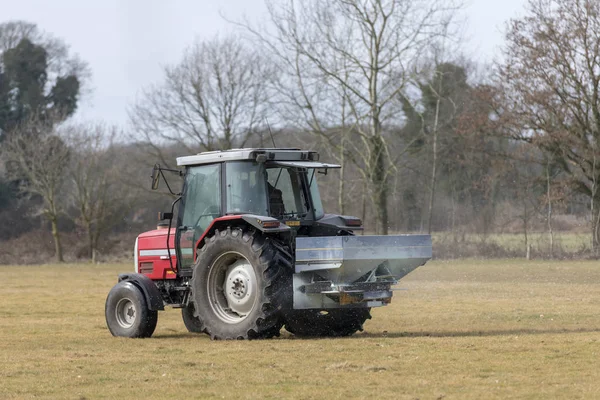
(277, 187)
(285, 191)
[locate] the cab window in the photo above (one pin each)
(245, 187)
(202, 204)
(286, 196)
(202, 195)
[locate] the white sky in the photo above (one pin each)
(127, 42)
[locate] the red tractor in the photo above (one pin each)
(250, 250)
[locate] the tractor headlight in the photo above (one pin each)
(135, 257)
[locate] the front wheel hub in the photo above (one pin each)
(126, 313)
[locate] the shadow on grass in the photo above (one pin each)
(178, 335)
(476, 333)
(379, 335)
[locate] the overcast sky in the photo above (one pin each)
(127, 42)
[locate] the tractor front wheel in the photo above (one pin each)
(331, 323)
(240, 284)
(127, 313)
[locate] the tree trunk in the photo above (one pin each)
(382, 213)
(91, 246)
(364, 203)
(453, 221)
(593, 223)
(594, 208)
(341, 187)
(549, 216)
(595, 214)
(380, 189)
(55, 234)
(342, 156)
(95, 248)
(433, 166)
(525, 229)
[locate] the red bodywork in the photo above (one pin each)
(152, 256)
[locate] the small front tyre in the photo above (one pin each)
(127, 313)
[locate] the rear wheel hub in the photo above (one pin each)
(232, 287)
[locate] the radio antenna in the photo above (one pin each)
(270, 133)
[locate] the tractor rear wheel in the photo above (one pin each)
(330, 323)
(240, 284)
(192, 323)
(127, 313)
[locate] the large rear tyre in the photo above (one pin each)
(331, 323)
(127, 313)
(240, 285)
(191, 322)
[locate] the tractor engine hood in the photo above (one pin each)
(345, 259)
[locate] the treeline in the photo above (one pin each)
(428, 140)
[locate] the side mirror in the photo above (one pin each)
(155, 176)
(165, 215)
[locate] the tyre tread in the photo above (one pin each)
(274, 265)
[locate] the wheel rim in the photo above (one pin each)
(126, 313)
(232, 287)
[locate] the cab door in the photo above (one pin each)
(201, 203)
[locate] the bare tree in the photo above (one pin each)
(444, 95)
(36, 156)
(96, 190)
(213, 99)
(348, 63)
(550, 78)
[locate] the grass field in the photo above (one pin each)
(462, 330)
(567, 241)
(509, 245)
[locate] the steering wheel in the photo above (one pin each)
(210, 211)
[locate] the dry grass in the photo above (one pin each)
(570, 242)
(511, 245)
(463, 330)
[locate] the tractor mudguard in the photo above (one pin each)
(258, 221)
(148, 288)
(250, 219)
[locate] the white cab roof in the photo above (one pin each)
(211, 157)
(306, 164)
